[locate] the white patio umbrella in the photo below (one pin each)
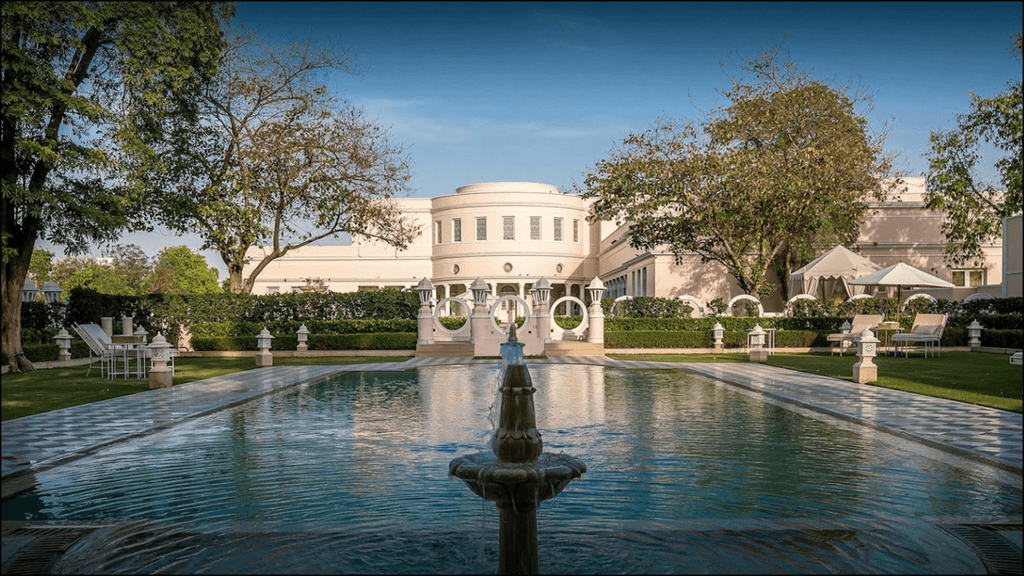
(901, 276)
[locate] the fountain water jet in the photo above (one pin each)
(518, 475)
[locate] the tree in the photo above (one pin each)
(280, 162)
(131, 271)
(88, 89)
(67, 267)
(128, 273)
(41, 266)
(180, 271)
(790, 160)
(974, 209)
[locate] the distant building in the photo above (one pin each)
(511, 234)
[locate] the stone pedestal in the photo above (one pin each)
(264, 359)
(867, 347)
(864, 373)
(758, 355)
(160, 378)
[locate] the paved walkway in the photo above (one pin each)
(46, 440)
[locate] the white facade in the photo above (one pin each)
(511, 234)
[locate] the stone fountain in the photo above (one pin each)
(518, 475)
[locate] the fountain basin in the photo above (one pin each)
(519, 484)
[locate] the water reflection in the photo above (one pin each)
(667, 454)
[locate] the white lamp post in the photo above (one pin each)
(160, 375)
(974, 331)
(264, 357)
(867, 348)
(719, 332)
(52, 291)
(424, 318)
(595, 290)
(541, 298)
(303, 335)
(64, 344)
(29, 291)
(541, 293)
(480, 292)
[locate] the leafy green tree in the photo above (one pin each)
(41, 266)
(88, 89)
(67, 267)
(789, 160)
(178, 270)
(279, 161)
(974, 208)
(129, 272)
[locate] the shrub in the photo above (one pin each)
(365, 341)
(1002, 338)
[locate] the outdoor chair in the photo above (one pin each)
(926, 332)
(857, 326)
(100, 346)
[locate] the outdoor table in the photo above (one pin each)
(885, 331)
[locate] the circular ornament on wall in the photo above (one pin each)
(558, 268)
(455, 269)
(508, 266)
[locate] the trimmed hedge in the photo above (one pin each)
(50, 352)
(372, 341)
(291, 327)
(699, 339)
(1002, 338)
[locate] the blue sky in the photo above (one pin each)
(539, 92)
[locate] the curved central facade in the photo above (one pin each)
(511, 234)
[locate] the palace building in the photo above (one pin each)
(511, 234)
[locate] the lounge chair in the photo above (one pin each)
(112, 351)
(857, 326)
(99, 344)
(926, 332)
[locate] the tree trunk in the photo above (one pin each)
(14, 272)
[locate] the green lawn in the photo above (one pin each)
(977, 378)
(985, 379)
(44, 390)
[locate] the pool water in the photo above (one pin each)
(683, 475)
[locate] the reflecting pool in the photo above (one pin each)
(684, 476)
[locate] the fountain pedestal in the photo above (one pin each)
(517, 476)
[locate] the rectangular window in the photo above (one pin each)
(481, 229)
(508, 227)
(558, 229)
(273, 289)
(457, 230)
(968, 277)
(534, 227)
(575, 230)
(437, 232)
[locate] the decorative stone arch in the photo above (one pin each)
(611, 311)
(927, 297)
(860, 297)
(584, 323)
(497, 303)
(458, 331)
(690, 299)
(978, 296)
(791, 301)
(728, 308)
